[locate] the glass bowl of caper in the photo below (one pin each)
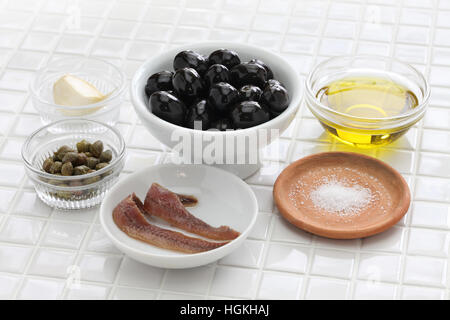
(72, 163)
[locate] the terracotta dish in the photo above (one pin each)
(390, 201)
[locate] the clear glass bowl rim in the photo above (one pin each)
(116, 93)
(44, 174)
(426, 88)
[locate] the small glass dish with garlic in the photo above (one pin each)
(78, 87)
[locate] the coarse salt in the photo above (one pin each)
(341, 197)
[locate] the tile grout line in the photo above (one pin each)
(122, 261)
(266, 242)
(159, 291)
(22, 183)
(402, 256)
(422, 125)
(355, 265)
(302, 292)
(215, 264)
(81, 250)
(247, 37)
(404, 253)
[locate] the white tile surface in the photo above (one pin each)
(41, 289)
(283, 231)
(21, 230)
(8, 285)
(249, 254)
(234, 282)
(425, 271)
(30, 205)
(379, 267)
(99, 268)
(374, 290)
(193, 281)
(410, 261)
(422, 293)
(88, 292)
(279, 287)
(64, 235)
(333, 263)
(135, 274)
(327, 289)
(133, 294)
(14, 259)
(52, 263)
(285, 257)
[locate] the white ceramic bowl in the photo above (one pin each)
(165, 131)
(230, 202)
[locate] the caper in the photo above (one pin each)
(83, 146)
(70, 157)
(81, 159)
(101, 165)
(91, 162)
(67, 169)
(107, 173)
(91, 180)
(96, 148)
(55, 182)
(75, 183)
(106, 156)
(56, 167)
(79, 170)
(67, 195)
(87, 154)
(62, 151)
(47, 164)
(91, 170)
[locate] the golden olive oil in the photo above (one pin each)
(367, 98)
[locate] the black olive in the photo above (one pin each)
(274, 114)
(167, 107)
(190, 59)
(187, 84)
(248, 114)
(160, 81)
(268, 70)
(273, 82)
(222, 96)
(248, 73)
(222, 124)
(216, 73)
(199, 114)
(249, 92)
(226, 57)
(276, 97)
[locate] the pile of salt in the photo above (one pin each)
(337, 197)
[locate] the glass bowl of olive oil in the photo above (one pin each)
(366, 101)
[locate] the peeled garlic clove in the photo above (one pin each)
(70, 90)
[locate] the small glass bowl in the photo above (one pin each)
(106, 77)
(358, 131)
(72, 192)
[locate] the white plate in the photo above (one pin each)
(223, 199)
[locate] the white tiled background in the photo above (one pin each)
(44, 251)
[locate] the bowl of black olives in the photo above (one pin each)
(214, 90)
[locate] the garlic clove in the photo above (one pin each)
(70, 90)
